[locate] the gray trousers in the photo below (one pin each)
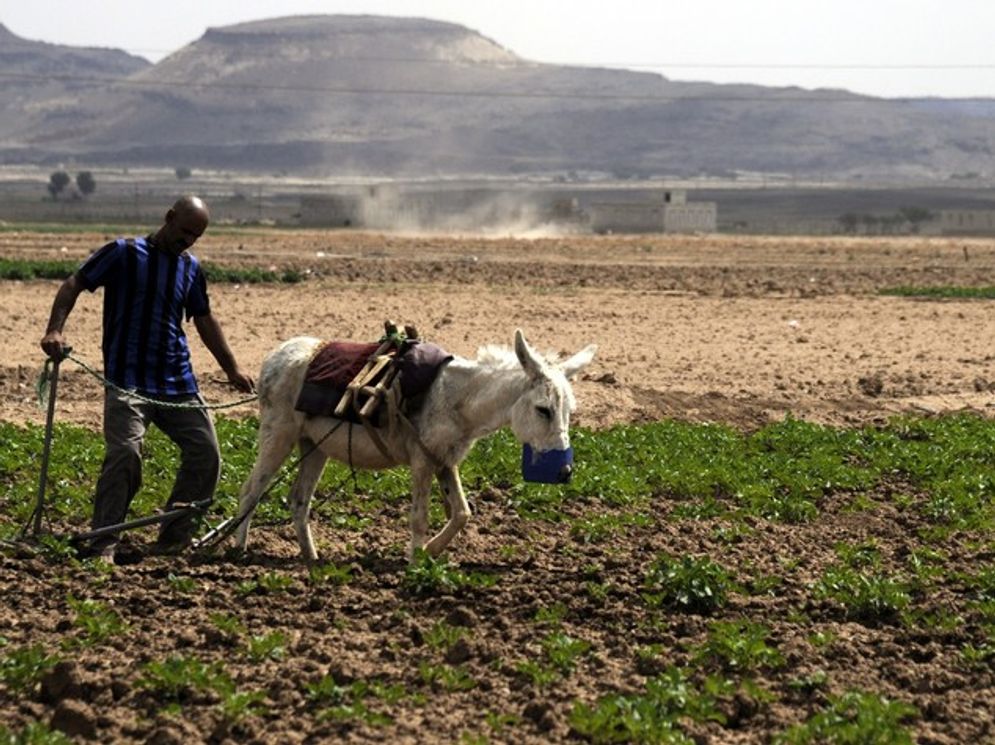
(126, 419)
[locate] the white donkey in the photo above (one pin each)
(467, 400)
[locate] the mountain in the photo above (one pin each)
(43, 86)
(367, 95)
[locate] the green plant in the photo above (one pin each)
(348, 702)
(865, 554)
(329, 574)
(597, 591)
(180, 584)
(57, 550)
(855, 718)
(552, 614)
(739, 646)
(176, 677)
(355, 711)
(977, 657)
(267, 646)
(273, 582)
(227, 624)
(822, 639)
(498, 721)
(433, 576)
(36, 733)
(443, 636)
(22, 668)
(237, 705)
(806, 684)
(97, 620)
(539, 673)
(864, 596)
(563, 651)
(560, 653)
(696, 584)
(651, 717)
(448, 678)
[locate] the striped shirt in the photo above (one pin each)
(146, 292)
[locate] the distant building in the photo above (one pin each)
(672, 214)
(967, 222)
(681, 216)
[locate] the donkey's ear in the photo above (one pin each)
(526, 356)
(579, 361)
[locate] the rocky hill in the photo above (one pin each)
(44, 87)
(351, 95)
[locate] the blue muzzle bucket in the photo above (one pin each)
(547, 466)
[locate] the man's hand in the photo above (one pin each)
(243, 382)
(54, 345)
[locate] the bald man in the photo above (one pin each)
(149, 284)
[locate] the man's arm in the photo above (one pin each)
(214, 339)
(53, 342)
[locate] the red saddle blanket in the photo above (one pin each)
(336, 363)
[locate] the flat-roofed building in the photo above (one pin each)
(671, 214)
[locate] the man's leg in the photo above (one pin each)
(200, 465)
(125, 423)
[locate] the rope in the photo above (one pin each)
(43, 379)
(216, 535)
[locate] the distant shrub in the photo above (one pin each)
(86, 183)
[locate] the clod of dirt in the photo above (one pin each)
(75, 719)
(871, 385)
(459, 652)
(166, 735)
(461, 616)
(61, 682)
(541, 713)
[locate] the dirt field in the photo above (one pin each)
(740, 331)
(725, 329)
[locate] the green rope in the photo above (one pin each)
(46, 373)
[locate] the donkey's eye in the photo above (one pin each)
(545, 412)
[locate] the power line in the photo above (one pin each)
(777, 95)
(693, 65)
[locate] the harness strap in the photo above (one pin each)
(396, 416)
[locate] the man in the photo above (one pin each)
(149, 283)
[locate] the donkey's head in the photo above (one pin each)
(540, 417)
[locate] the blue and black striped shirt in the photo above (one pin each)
(146, 292)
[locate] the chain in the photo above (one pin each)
(45, 376)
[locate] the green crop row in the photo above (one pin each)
(783, 472)
(23, 269)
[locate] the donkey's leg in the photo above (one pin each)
(458, 512)
(276, 440)
(300, 495)
(421, 490)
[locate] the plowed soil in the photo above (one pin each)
(742, 331)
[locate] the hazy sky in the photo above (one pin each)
(880, 47)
